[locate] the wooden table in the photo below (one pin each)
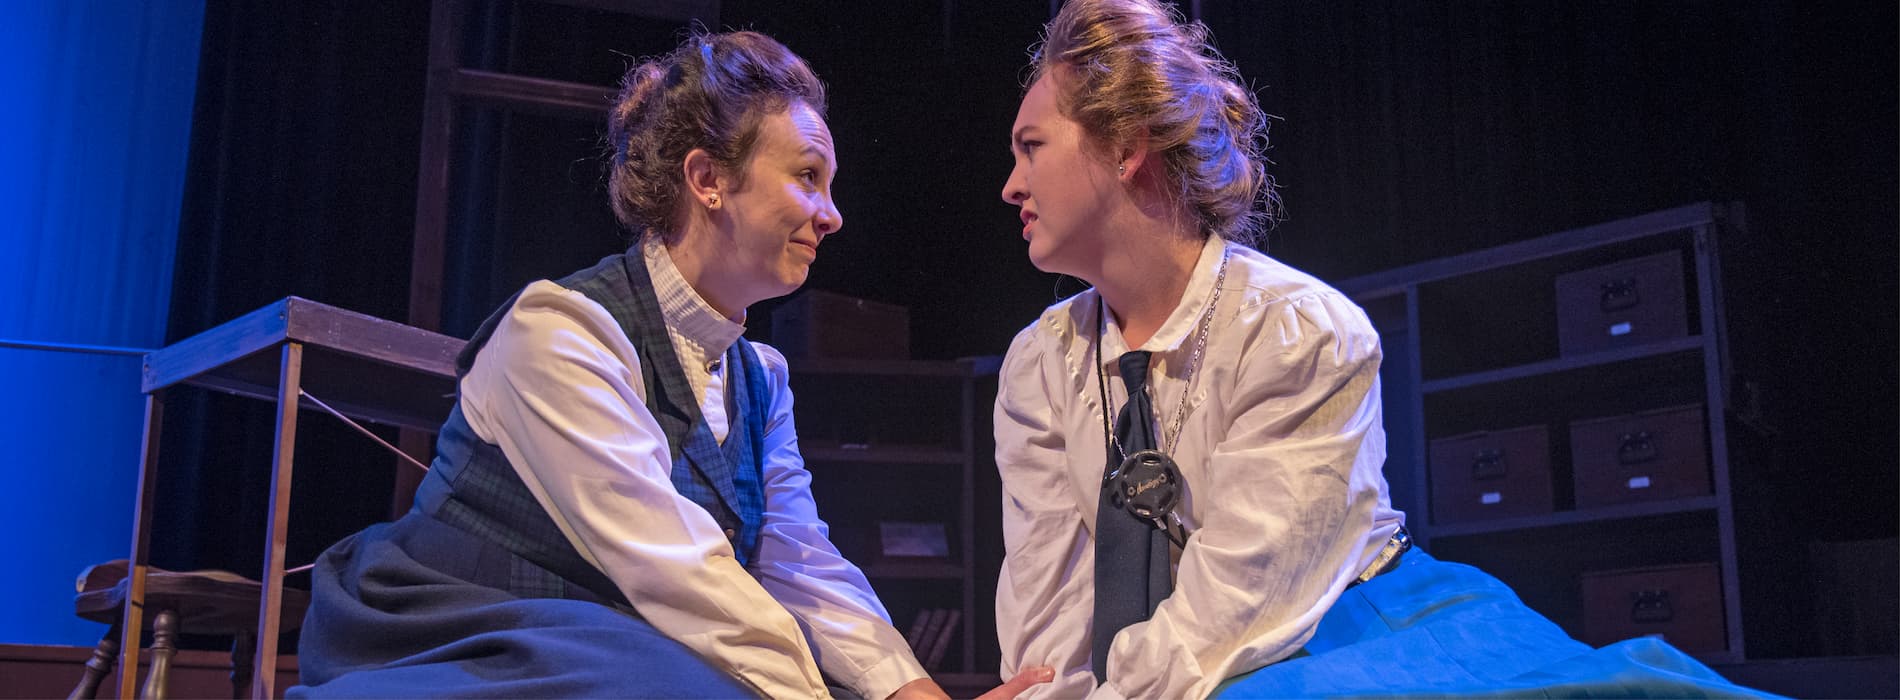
(364, 367)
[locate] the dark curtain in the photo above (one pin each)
(301, 182)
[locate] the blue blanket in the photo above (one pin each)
(1436, 629)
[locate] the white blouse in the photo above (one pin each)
(1281, 450)
(558, 389)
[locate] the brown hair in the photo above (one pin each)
(710, 93)
(1131, 68)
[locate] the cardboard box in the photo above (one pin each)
(817, 324)
(1650, 456)
(1680, 604)
(1492, 474)
(1629, 303)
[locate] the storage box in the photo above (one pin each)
(1649, 456)
(1496, 474)
(822, 325)
(1636, 301)
(1681, 604)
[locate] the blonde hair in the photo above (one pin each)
(1135, 68)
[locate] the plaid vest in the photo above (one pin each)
(473, 487)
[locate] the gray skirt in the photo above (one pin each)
(417, 609)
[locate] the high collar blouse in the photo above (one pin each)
(558, 389)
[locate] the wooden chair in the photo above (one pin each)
(198, 602)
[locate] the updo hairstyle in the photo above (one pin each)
(1126, 68)
(710, 93)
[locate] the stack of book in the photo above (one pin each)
(930, 635)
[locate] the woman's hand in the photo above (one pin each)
(1015, 686)
(927, 689)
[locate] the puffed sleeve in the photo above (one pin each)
(1294, 485)
(1042, 606)
(558, 389)
(850, 631)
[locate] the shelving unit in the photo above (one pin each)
(1472, 344)
(901, 440)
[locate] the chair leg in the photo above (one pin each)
(243, 647)
(164, 628)
(104, 657)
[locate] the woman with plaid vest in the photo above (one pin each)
(618, 507)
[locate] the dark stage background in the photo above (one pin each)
(1404, 132)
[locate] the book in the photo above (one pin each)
(915, 637)
(942, 644)
(927, 642)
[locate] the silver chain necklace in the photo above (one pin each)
(1187, 377)
(1146, 482)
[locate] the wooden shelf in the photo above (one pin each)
(887, 454)
(1562, 364)
(869, 423)
(1400, 280)
(918, 569)
(1475, 343)
(1575, 517)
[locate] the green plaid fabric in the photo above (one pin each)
(726, 480)
(472, 486)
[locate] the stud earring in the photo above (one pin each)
(1121, 169)
(712, 201)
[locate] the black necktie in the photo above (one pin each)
(1131, 555)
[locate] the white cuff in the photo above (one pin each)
(884, 678)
